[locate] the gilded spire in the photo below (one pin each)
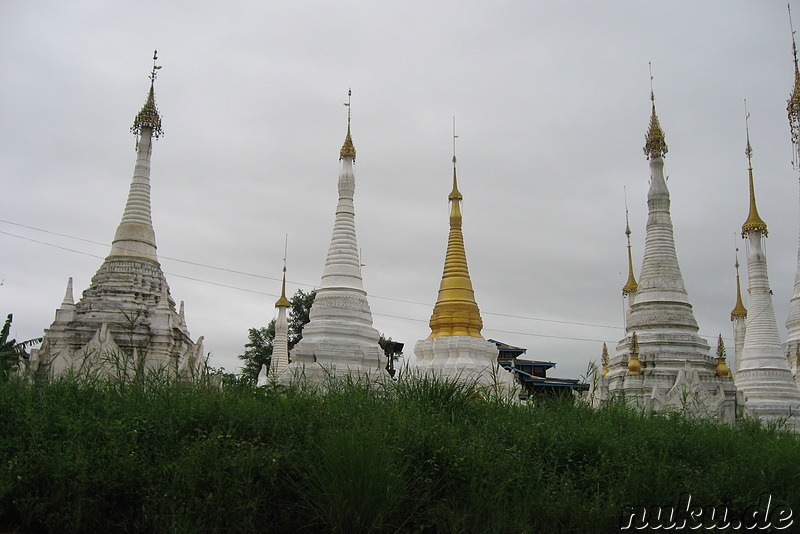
(753, 222)
(148, 116)
(348, 149)
(283, 301)
(793, 104)
(631, 286)
(655, 145)
(739, 311)
(456, 313)
(604, 360)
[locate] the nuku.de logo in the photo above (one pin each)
(682, 515)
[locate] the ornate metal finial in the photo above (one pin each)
(722, 368)
(655, 145)
(634, 365)
(754, 223)
(455, 194)
(604, 361)
(748, 151)
(348, 149)
(148, 116)
(793, 104)
(631, 285)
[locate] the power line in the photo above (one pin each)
(227, 286)
(244, 273)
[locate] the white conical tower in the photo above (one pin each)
(792, 345)
(763, 376)
(128, 294)
(280, 345)
(339, 338)
(662, 364)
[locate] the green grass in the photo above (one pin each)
(419, 455)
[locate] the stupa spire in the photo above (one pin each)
(456, 313)
(739, 311)
(793, 104)
(68, 299)
(280, 346)
(631, 286)
(135, 235)
(348, 149)
(655, 145)
(753, 222)
(283, 301)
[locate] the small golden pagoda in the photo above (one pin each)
(456, 313)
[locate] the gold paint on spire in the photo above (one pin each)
(753, 222)
(456, 313)
(283, 301)
(631, 286)
(348, 149)
(739, 311)
(722, 367)
(634, 366)
(655, 145)
(793, 104)
(148, 116)
(604, 359)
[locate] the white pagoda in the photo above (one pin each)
(662, 364)
(339, 339)
(763, 376)
(126, 322)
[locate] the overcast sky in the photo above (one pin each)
(551, 102)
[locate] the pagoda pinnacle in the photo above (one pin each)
(135, 235)
(793, 104)
(348, 149)
(148, 116)
(655, 145)
(753, 222)
(283, 301)
(739, 311)
(456, 313)
(631, 286)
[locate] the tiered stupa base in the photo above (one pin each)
(463, 358)
(339, 340)
(771, 395)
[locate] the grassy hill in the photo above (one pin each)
(419, 455)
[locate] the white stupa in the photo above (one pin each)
(763, 376)
(662, 364)
(125, 321)
(339, 338)
(280, 345)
